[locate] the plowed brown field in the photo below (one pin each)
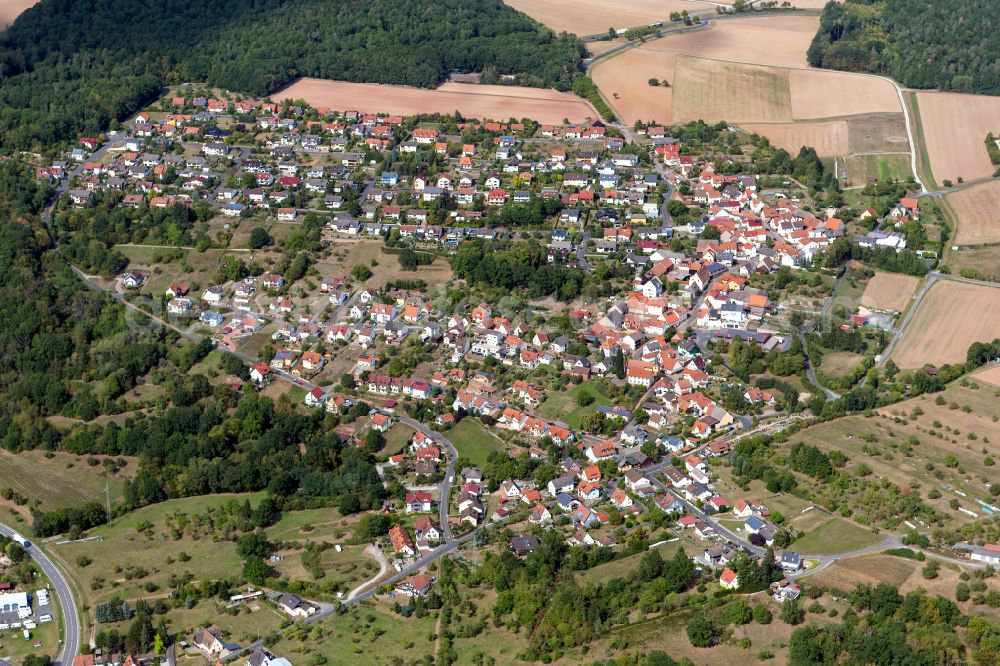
(590, 17)
(975, 211)
(473, 101)
(951, 317)
(955, 128)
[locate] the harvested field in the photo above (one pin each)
(975, 211)
(889, 291)
(624, 80)
(714, 90)
(591, 17)
(780, 41)
(11, 9)
(877, 133)
(949, 319)
(990, 375)
(821, 94)
(599, 47)
(828, 138)
(473, 101)
(954, 128)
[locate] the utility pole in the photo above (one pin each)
(107, 498)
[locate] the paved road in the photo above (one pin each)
(932, 279)
(449, 474)
(383, 566)
(811, 374)
(70, 614)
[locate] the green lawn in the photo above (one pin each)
(835, 536)
(622, 568)
(474, 441)
(366, 635)
(563, 406)
(396, 439)
(123, 548)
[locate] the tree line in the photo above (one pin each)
(946, 44)
(71, 68)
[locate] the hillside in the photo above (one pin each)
(72, 67)
(947, 44)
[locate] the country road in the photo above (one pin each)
(67, 604)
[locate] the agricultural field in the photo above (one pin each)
(349, 568)
(473, 441)
(63, 480)
(714, 90)
(948, 320)
(990, 375)
(624, 81)
(954, 127)
(820, 94)
(472, 100)
(781, 41)
(753, 72)
(975, 211)
(11, 9)
(592, 17)
(889, 291)
(827, 137)
(945, 447)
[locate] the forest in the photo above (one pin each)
(946, 44)
(65, 349)
(71, 68)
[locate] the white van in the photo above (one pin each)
(45, 618)
(29, 625)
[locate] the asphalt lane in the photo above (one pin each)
(70, 614)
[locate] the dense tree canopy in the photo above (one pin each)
(945, 44)
(72, 67)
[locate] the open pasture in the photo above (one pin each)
(592, 17)
(954, 127)
(472, 100)
(63, 480)
(889, 291)
(975, 210)
(943, 447)
(950, 318)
